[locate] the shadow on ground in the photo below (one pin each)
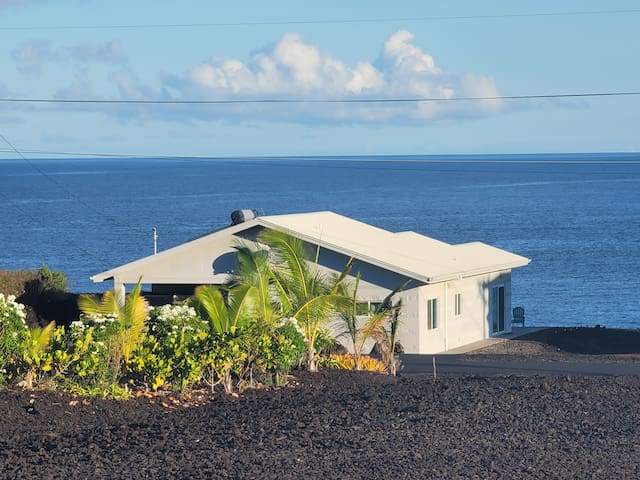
(590, 341)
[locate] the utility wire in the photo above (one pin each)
(320, 22)
(113, 220)
(314, 100)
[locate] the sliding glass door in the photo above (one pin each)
(496, 309)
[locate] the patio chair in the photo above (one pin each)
(518, 316)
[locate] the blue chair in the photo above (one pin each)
(518, 316)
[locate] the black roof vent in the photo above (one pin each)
(241, 216)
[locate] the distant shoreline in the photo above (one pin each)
(539, 157)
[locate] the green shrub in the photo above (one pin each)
(51, 280)
(13, 334)
(91, 343)
(224, 357)
(171, 350)
(281, 351)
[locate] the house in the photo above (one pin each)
(455, 295)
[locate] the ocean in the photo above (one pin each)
(577, 217)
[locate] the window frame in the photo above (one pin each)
(457, 304)
(432, 313)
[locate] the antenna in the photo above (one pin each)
(155, 241)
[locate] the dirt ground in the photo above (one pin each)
(337, 424)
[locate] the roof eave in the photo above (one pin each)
(481, 271)
(122, 269)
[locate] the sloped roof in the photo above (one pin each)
(407, 253)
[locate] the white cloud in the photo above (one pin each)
(32, 55)
(289, 69)
(294, 69)
(399, 56)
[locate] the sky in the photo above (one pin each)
(352, 50)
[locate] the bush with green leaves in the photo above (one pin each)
(52, 280)
(171, 351)
(92, 341)
(281, 351)
(13, 334)
(224, 357)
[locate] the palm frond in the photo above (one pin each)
(212, 302)
(134, 315)
(241, 308)
(289, 251)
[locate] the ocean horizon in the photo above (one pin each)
(576, 216)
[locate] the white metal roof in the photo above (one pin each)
(406, 253)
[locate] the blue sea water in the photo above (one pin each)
(576, 216)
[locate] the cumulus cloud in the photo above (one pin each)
(295, 69)
(32, 55)
(289, 69)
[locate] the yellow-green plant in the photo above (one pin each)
(367, 363)
(125, 333)
(37, 353)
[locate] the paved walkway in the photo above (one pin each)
(510, 365)
(516, 332)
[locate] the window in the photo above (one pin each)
(496, 309)
(367, 307)
(432, 314)
(458, 304)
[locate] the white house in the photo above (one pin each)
(455, 295)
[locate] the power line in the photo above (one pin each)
(113, 220)
(314, 100)
(320, 22)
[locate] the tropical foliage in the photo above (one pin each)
(347, 362)
(270, 318)
(13, 333)
(305, 293)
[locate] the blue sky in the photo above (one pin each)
(267, 50)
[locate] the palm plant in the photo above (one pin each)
(228, 314)
(254, 270)
(305, 293)
(130, 314)
(37, 344)
(385, 338)
(349, 319)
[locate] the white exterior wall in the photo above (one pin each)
(452, 331)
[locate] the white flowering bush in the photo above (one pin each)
(171, 352)
(13, 334)
(92, 339)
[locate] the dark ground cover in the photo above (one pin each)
(336, 424)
